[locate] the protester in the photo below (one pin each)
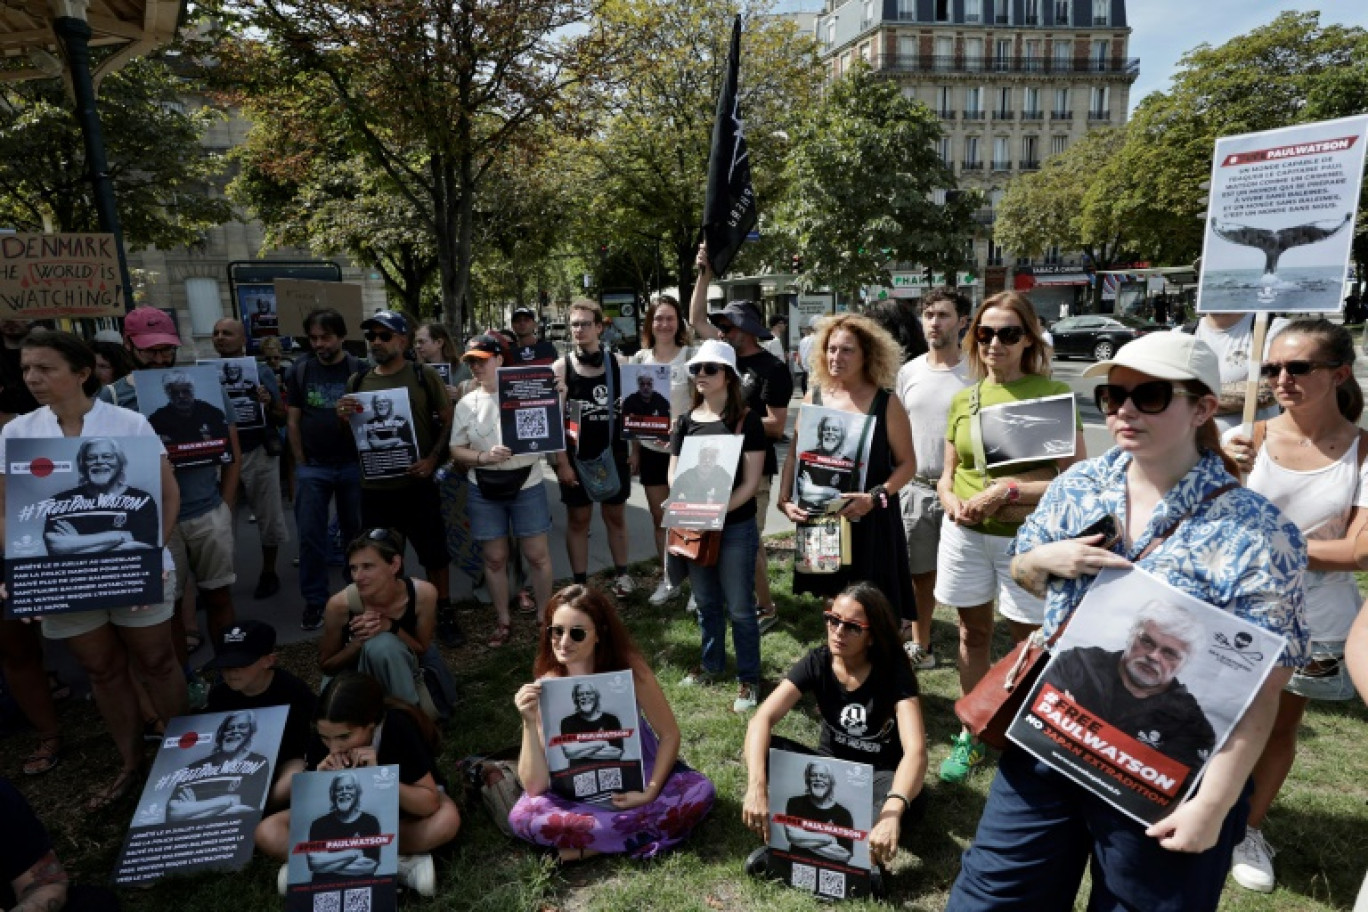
(901, 320)
(528, 349)
(278, 365)
(1309, 462)
(925, 386)
(767, 387)
(111, 361)
(856, 365)
(585, 636)
(724, 591)
(432, 343)
(1231, 336)
(867, 697)
(664, 340)
(506, 490)
(352, 714)
(31, 875)
(327, 469)
(260, 471)
(1186, 521)
(584, 385)
(1011, 363)
(776, 344)
(111, 645)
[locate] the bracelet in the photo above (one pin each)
(880, 495)
(907, 803)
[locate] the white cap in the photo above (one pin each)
(1167, 356)
(713, 351)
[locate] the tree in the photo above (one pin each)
(160, 171)
(861, 179)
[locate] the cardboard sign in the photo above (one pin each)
(593, 740)
(297, 298)
(45, 276)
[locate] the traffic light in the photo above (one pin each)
(797, 264)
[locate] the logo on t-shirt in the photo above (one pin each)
(601, 394)
(854, 720)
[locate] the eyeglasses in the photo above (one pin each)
(1008, 335)
(1271, 370)
(577, 634)
(382, 535)
(581, 324)
(854, 628)
(707, 369)
(1149, 398)
(383, 335)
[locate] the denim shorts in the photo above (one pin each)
(529, 514)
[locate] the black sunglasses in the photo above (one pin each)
(382, 535)
(556, 631)
(1149, 398)
(707, 369)
(383, 335)
(1271, 370)
(1010, 335)
(854, 628)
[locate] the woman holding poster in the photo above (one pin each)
(586, 637)
(110, 644)
(1178, 514)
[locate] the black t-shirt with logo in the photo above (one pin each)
(850, 730)
(766, 383)
(540, 352)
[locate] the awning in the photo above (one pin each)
(1063, 278)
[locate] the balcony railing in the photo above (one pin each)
(972, 166)
(946, 115)
(1099, 115)
(975, 115)
(984, 216)
(1099, 20)
(1029, 165)
(1032, 115)
(957, 63)
(1061, 115)
(1004, 115)
(1002, 166)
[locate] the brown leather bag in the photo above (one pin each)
(700, 547)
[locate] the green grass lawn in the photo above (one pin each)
(1319, 824)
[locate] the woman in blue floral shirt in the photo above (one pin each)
(1231, 549)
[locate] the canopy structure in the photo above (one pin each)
(31, 49)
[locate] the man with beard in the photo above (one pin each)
(826, 470)
(103, 513)
(647, 402)
(819, 804)
(264, 321)
(186, 419)
(529, 349)
(346, 820)
(589, 717)
(387, 431)
(705, 483)
(231, 780)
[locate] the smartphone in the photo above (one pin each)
(1109, 527)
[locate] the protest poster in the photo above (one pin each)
(833, 457)
(46, 276)
(443, 369)
(530, 410)
(821, 811)
(646, 411)
(185, 406)
(204, 796)
(1280, 218)
(259, 310)
(1141, 690)
(295, 299)
(240, 379)
(1029, 430)
(83, 524)
(383, 428)
(344, 840)
(705, 473)
(591, 730)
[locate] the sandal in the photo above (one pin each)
(45, 757)
(123, 785)
(500, 636)
(527, 602)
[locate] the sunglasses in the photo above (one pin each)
(1149, 398)
(854, 628)
(382, 535)
(707, 369)
(383, 335)
(1008, 335)
(577, 634)
(1271, 370)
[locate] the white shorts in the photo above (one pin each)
(971, 569)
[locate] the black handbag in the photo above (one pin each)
(501, 484)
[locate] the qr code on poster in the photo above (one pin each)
(358, 900)
(531, 423)
(833, 883)
(610, 780)
(327, 902)
(804, 877)
(586, 784)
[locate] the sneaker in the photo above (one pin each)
(692, 606)
(664, 593)
(921, 657)
(418, 873)
(699, 677)
(624, 586)
(313, 617)
(283, 880)
(746, 698)
(766, 618)
(966, 756)
(1252, 863)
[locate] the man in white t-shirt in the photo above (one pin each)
(925, 386)
(1231, 335)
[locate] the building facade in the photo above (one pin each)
(1013, 82)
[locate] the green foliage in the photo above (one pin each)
(861, 177)
(162, 175)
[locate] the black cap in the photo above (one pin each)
(244, 643)
(484, 346)
(524, 312)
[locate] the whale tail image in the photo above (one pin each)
(1275, 243)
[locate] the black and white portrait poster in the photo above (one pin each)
(821, 812)
(239, 379)
(1142, 689)
(530, 418)
(646, 401)
(443, 369)
(257, 304)
(344, 840)
(82, 523)
(383, 427)
(593, 743)
(204, 796)
(704, 474)
(1280, 218)
(185, 406)
(833, 457)
(1029, 430)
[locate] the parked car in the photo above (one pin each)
(1098, 336)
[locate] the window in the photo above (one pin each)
(994, 253)
(1101, 48)
(1061, 12)
(973, 53)
(1002, 54)
(1099, 105)
(206, 308)
(1030, 152)
(864, 52)
(907, 10)
(1004, 107)
(1002, 154)
(942, 10)
(971, 151)
(867, 17)
(1058, 144)
(1003, 11)
(939, 196)
(945, 101)
(973, 10)
(1030, 102)
(1031, 50)
(945, 52)
(907, 51)
(973, 103)
(1100, 12)
(831, 32)
(1032, 12)
(1063, 56)
(1061, 104)
(943, 150)
(1052, 257)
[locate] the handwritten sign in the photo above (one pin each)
(43, 276)
(297, 298)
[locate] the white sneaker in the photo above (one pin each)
(664, 593)
(283, 880)
(418, 873)
(1252, 863)
(624, 586)
(921, 657)
(692, 606)
(746, 699)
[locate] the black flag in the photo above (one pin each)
(729, 210)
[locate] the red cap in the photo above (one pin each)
(148, 327)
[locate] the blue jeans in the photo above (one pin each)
(727, 590)
(316, 487)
